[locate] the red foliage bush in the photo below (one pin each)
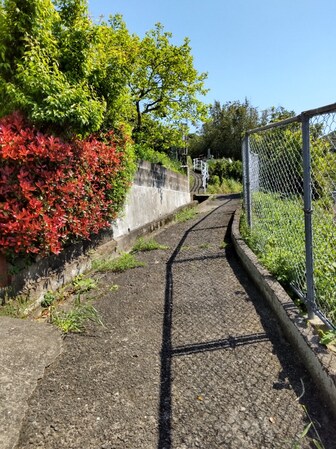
(52, 191)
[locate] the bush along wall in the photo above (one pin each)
(53, 192)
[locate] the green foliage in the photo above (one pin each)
(143, 152)
(82, 284)
(125, 262)
(14, 307)
(223, 132)
(227, 186)
(74, 320)
(64, 71)
(185, 215)
(284, 158)
(74, 76)
(164, 83)
(328, 337)
(143, 244)
(160, 135)
(224, 169)
(31, 78)
(277, 237)
(48, 299)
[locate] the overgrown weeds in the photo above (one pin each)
(14, 307)
(225, 187)
(185, 215)
(278, 238)
(125, 262)
(143, 244)
(75, 319)
(82, 284)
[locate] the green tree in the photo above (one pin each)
(73, 76)
(65, 72)
(164, 84)
(223, 132)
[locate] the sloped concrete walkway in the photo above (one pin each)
(190, 357)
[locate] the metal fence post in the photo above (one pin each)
(247, 179)
(307, 188)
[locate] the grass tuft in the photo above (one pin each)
(227, 186)
(74, 320)
(125, 262)
(148, 245)
(185, 215)
(14, 307)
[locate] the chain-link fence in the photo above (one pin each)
(290, 202)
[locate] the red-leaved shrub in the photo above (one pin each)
(52, 191)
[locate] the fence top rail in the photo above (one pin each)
(298, 118)
(322, 110)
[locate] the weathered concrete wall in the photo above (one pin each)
(156, 192)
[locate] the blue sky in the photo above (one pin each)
(274, 52)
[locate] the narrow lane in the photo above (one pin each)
(190, 357)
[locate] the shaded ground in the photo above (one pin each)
(190, 357)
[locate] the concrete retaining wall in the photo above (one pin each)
(155, 193)
(320, 362)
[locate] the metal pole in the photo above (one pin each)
(247, 182)
(307, 188)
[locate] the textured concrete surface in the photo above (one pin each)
(26, 348)
(155, 193)
(190, 357)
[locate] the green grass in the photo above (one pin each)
(14, 307)
(328, 337)
(125, 262)
(186, 215)
(277, 238)
(143, 244)
(227, 186)
(75, 319)
(156, 157)
(205, 246)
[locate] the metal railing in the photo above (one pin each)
(290, 203)
(202, 166)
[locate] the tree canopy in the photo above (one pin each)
(164, 83)
(222, 133)
(72, 75)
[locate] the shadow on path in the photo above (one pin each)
(167, 349)
(292, 375)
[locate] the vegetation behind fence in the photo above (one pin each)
(290, 199)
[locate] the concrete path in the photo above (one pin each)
(190, 357)
(26, 348)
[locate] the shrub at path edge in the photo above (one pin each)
(54, 191)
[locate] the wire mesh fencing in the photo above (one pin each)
(290, 200)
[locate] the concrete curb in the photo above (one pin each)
(320, 362)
